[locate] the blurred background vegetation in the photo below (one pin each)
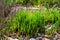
(33, 2)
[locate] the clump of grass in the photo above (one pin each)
(54, 21)
(31, 22)
(25, 22)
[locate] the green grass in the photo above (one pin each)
(54, 17)
(31, 22)
(32, 2)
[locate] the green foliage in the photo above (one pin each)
(8, 2)
(32, 2)
(55, 21)
(26, 22)
(31, 22)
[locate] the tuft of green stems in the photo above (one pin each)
(31, 22)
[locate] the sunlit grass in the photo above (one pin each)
(31, 22)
